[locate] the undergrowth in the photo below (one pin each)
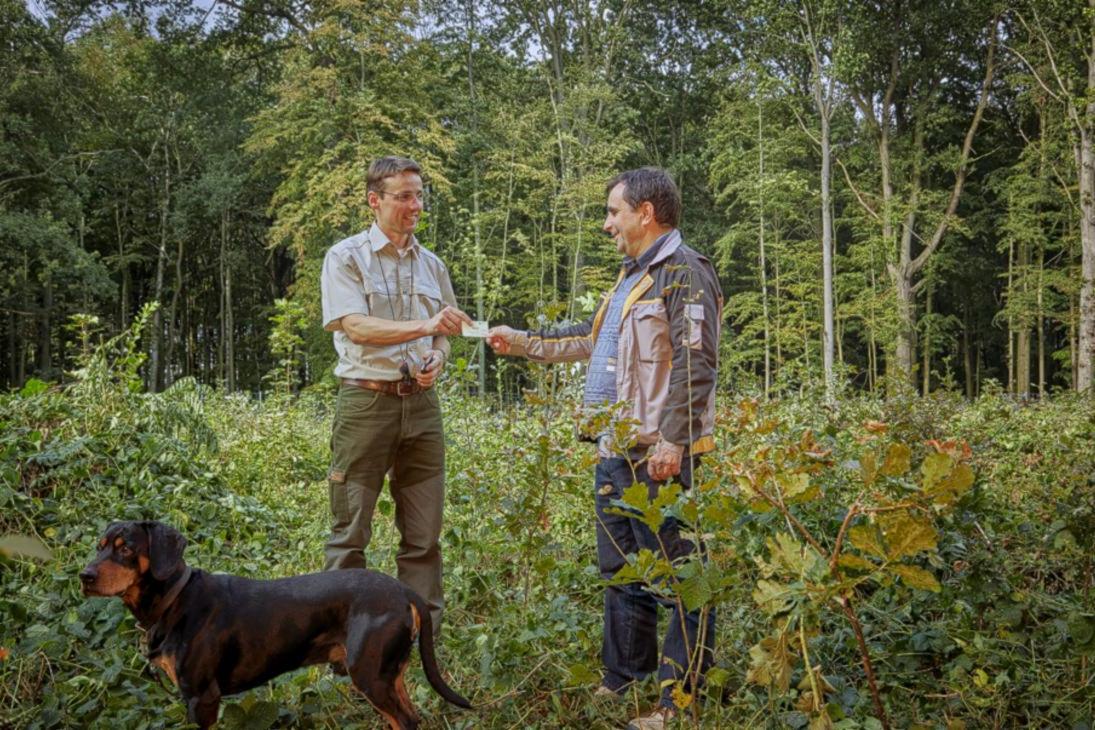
(973, 599)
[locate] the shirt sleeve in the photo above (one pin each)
(342, 289)
(448, 296)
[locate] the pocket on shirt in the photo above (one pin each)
(652, 332)
(427, 298)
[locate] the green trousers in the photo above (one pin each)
(377, 435)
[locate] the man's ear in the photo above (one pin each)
(646, 212)
(165, 549)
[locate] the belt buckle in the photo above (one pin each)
(403, 388)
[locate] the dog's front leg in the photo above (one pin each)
(202, 706)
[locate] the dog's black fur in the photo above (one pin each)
(217, 635)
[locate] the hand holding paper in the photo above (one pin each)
(478, 328)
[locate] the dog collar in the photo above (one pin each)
(169, 598)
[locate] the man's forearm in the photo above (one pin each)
(365, 330)
(441, 343)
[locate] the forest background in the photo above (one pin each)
(899, 198)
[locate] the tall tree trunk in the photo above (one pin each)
(155, 364)
(1085, 366)
(967, 353)
(1022, 333)
(227, 359)
(763, 262)
(44, 358)
(481, 352)
(926, 363)
(1040, 324)
(1011, 318)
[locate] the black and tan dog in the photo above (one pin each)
(217, 635)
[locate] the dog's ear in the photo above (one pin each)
(165, 549)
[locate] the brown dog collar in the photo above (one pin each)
(168, 598)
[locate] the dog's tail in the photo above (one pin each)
(429, 659)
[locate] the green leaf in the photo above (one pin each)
(796, 488)
(24, 546)
(694, 591)
(774, 598)
(717, 677)
(897, 461)
(916, 577)
(33, 387)
(582, 674)
(1081, 628)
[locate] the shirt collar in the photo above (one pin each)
(648, 255)
(378, 240)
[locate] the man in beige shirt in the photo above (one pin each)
(390, 305)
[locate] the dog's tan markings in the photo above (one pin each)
(417, 620)
(102, 543)
(142, 564)
(167, 664)
(401, 693)
(114, 580)
(119, 541)
(337, 653)
(392, 723)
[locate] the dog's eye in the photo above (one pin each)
(125, 550)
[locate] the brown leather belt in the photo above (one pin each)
(402, 388)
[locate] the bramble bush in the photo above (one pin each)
(902, 562)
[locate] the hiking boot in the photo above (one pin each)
(657, 719)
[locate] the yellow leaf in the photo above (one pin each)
(916, 577)
(897, 461)
(770, 664)
(906, 534)
(865, 538)
(868, 467)
(680, 698)
(935, 467)
(951, 487)
(855, 562)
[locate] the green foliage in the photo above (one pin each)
(967, 570)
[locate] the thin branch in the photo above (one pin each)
(967, 146)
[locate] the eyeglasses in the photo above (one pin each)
(406, 196)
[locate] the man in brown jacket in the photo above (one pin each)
(652, 347)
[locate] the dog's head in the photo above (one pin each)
(127, 553)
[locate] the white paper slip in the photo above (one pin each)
(478, 328)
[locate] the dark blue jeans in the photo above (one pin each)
(630, 648)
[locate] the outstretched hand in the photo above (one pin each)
(501, 338)
(449, 321)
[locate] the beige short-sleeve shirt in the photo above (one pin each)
(366, 274)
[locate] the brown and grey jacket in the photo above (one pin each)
(667, 357)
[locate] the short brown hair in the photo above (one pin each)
(383, 168)
(650, 184)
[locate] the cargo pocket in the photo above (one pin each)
(340, 503)
(694, 316)
(652, 333)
